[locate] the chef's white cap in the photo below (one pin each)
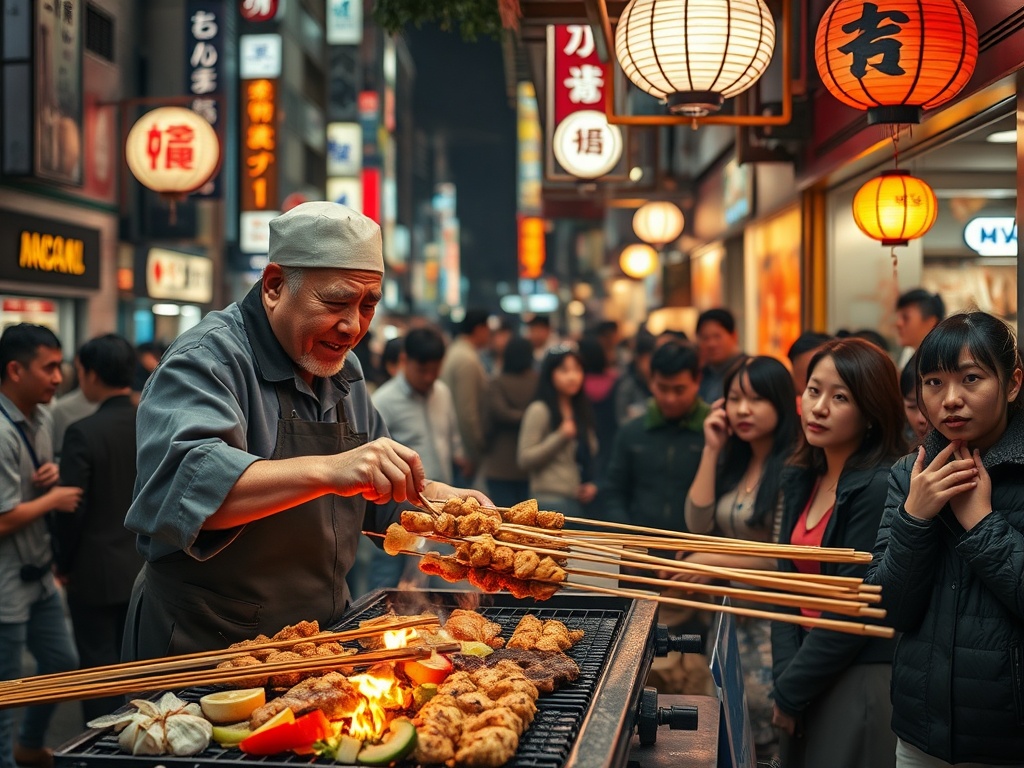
(322, 234)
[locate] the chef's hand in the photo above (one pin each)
(442, 492)
(932, 486)
(46, 476)
(378, 471)
(781, 720)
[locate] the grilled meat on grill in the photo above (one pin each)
(469, 625)
(488, 747)
(545, 669)
(533, 634)
(332, 693)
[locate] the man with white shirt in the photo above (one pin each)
(420, 413)
(917, 312)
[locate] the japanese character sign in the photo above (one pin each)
(172, 150)
(875, 38)
(576, 79)
(203, 40)
(259, 145)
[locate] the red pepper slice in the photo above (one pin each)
(300, 734)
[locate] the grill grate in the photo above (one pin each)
(546, 744)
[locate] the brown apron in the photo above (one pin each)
(282, 569)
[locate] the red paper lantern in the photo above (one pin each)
(895, 208)
(896, 58)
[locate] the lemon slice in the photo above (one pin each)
(232, 706)
(284, 716)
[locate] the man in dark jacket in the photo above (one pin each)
(95, 553)
(655, 456)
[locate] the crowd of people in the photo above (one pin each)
(260, 448)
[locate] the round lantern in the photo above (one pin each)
(895, 208)
(658, 222)
(172, 150)
(638, 260)
(694, 53)
(898, 58)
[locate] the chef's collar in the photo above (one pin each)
(271, 360)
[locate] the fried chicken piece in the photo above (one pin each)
(486, 579)
(522, 703)
(332, 694)
(417, 522)
(481, 552)
(300, 630)
(550, 520)
(463, 550)
(487, 748)
(487, 678)
(455, 507)
(501, 717)
(445, 567)
(457, 683)
(245, 661)
(477, 523)
(244, 646)
(558, 637)
(469, 625)
(541, 590)
(513, 685)
(398, 540)
(474, 702)
(332, 648)
(444, 716)
(305, 650)
(527, 633)
(526, 563)
(519, 588)
(433, 746)
(548, 570)
(284, 679)
(445, 525)
(503, 560)
(523, 513)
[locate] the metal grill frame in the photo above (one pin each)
(588, 724)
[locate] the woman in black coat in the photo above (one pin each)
(950, 555)
(831, 689)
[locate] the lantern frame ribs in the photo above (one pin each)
(784, 43)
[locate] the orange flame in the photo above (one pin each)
(381, 692)
(399, 638)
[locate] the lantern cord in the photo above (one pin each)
(895, 265)
(895, 145)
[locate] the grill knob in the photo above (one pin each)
(647, 726)
(664, 642)
(678, 718)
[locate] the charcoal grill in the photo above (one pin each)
(587, 724)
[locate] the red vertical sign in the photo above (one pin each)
(578, 74)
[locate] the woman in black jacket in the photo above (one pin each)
(950, 555)
(832, 690)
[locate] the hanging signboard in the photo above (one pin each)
(203, 45)
(172, 150)
(588, 147)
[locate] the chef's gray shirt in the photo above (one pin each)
(210, 410)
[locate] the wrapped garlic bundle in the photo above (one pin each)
(168, 726)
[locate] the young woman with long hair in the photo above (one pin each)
(950, 555)
(557, 441)
(748, 437)
(831, 689)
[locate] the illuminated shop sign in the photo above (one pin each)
(992, 235)
(203, 44)
(35, 250)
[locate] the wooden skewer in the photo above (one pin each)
(832, 605)
(729, 546)
(646, 562)
(849, 627)
(216, 676)
(204, 659)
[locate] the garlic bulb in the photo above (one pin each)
(167, 726)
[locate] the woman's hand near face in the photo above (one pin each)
(975, 504)
(716, 427)
(568, 428)
(946, 477)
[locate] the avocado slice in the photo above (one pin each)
(399, 742)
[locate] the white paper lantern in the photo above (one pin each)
(638, 260)
(694, 53)
(172, 150)
(658, 222)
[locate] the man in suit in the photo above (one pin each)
(95, 553)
